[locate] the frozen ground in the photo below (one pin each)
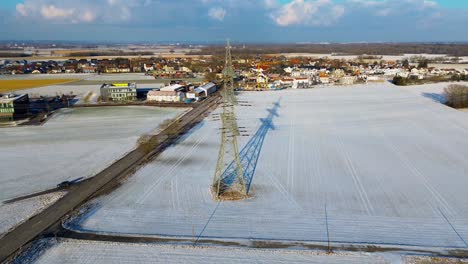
(434, 91)
(74, 143)
(12, 214)
(69, 251)
(364, 164)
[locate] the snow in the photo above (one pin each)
(15, 213)
(433, 91)
(80, 90)
(74, 143)
(373, 163)
(434, 260)
(70, 251)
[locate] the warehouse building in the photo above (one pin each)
(208, 88)
(165, 96)
(196, 95)
(174, 88)
(202, 92)
(13, 107)
(119, 92)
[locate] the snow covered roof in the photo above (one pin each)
(163, 93)
(199, 90)
(172, 87)
(8, 98)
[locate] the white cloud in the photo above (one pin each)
(21, 10)
(52, 12)
(394, 5)
(271, 3)
(217, 13)
(88, 16)
(308, 12)
(83, 11)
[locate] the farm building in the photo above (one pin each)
(13, 106)
(119, 92)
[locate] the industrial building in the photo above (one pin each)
(119, 92)
(208, 88)
(13, 106)
(197, 94)
(165, 96)
(174, 88)
(202, 92)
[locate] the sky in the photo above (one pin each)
(284, 21)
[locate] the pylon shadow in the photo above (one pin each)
(250, 153)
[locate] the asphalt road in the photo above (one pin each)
(12, 242)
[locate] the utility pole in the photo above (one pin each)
(229, 184)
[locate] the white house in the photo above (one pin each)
(286, 82)
(148, 67)
(324, 79)
(347, 80)
(300, 83)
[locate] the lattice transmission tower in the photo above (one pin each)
(229, 184)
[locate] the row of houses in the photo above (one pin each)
(308, 76)
(126, 92)
(159, 67)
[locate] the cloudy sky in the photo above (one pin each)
(240, 20)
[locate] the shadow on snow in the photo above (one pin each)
(250, 153)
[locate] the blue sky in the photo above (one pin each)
(241, 20)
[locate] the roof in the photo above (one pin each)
(163, 93)
(199, 90)
(119, 85)
(208, 86)
(172, 87)
(8, 98)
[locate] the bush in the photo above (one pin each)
(398, 80)
(457, 95)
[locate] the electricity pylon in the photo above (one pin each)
(229, 185)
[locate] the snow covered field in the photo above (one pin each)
(363, 164)
(73, 143)
(433, 91)
(12, 214)
(69, 251)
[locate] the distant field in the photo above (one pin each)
(138, 81)
(13, 85)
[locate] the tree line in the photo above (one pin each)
(455, 49)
